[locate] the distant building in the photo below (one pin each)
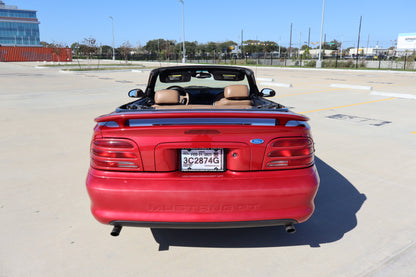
(18, 27)
(314, 53)
(20, 41)
(370, 52)
(235, 50)
(406, 42)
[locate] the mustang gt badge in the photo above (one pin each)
(256, 141)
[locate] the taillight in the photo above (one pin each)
(286, 153)
(115, 154)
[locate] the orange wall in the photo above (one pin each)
(32, 54)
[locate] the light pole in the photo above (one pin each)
(183, 31)
(112, 28)
(358, 43)
(319, 63)
(279, 46)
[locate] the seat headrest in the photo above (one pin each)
(236, 92)
(167, 97)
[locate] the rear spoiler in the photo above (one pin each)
(122, 119)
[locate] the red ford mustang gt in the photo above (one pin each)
(201, 147)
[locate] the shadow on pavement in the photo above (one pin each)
(337, 203)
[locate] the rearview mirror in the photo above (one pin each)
(268, 92)
(203, 75)
(136, 93)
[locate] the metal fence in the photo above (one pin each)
(402, 63)
(393, 64)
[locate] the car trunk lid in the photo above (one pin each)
(243, 136)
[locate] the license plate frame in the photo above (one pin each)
(202, 160)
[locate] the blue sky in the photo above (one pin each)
(138, 21)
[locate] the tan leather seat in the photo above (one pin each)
(235, 95)
(167, 97)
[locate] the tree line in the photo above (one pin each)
(171, 49)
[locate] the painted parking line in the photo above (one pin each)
(394, 94)
(394, 85)
(350, 105)
(310, 92)
(273, 84)
(351, 86)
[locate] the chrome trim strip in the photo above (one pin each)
(200, 121)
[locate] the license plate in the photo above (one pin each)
(202, 159)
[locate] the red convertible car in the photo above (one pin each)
(202, 147)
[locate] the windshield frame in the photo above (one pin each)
(154, 81)
(192, 80)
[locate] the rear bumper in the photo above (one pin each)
(205, 225)
(201, 200)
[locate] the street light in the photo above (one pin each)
(183, 31)
(112, 28)
(319, 63)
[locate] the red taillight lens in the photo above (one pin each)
(115, 154)
(285, 153)
(291, 142)
(291, 152)
(113, 143)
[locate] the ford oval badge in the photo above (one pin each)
(256, 141)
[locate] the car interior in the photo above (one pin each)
(236, 96)
(199, 88)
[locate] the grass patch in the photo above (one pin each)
(92, 65)
(91, 68)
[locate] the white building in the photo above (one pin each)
(370, 52)
(406, 44)
(406, 41)
(314, 53)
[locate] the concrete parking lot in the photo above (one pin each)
(364, 126)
